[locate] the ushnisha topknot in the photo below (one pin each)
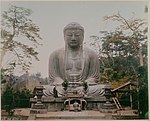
(73, 25)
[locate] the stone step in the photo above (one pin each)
(72, 115)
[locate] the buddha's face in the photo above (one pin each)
(74, 37)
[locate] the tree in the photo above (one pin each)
(123, 56)
(7, 99)
(15, 99)
(135, 26)
(19, 36)
(123, 49)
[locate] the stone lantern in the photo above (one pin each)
(108, 106)
(39, 94)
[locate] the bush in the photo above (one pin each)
(15, 99)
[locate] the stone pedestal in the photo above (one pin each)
(52, 104)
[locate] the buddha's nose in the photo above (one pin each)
(73, 37)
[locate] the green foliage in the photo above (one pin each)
(15, 99)
(146, 115)
(118, 56)
(125, 100)
(124, 56)
(19, 36)
(7, 100)
(2, 76)
(143, 90)
(65, 84)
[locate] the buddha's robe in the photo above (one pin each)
(84, 66)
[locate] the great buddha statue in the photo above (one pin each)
(75, 64)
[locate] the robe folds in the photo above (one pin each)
(89, 72)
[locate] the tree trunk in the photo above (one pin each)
(140, 56)
(1, 57)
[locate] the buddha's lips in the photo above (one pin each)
(73, 42)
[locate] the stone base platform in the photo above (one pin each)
(82, 115)
(72, 115)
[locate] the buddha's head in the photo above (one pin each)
(74, 35)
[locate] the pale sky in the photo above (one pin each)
(51, 17)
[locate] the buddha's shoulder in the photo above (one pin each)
(89, 51)
(58, 52)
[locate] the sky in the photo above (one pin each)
(53, 16)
